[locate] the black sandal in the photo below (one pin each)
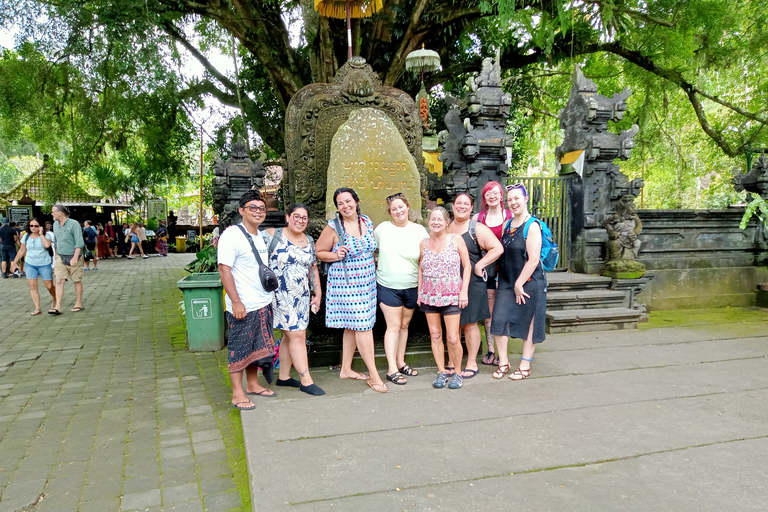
(397, 378)
(407, 370)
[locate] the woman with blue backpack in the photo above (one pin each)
(521, 297)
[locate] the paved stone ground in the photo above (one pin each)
(663, 418)
(106, 410)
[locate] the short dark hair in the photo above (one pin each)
(250, 195)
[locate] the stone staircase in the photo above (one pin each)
(584, 303)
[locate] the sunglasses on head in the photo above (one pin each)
(399, 195)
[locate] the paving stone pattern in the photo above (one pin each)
(106, 409)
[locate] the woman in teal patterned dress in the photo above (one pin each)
(293, 260)
(347, 243)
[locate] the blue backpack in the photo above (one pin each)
(549, 252)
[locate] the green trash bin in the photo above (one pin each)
(204, 308)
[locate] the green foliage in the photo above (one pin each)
(206, 261)
(758, 207)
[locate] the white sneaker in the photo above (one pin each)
(130, 257)
(145, 256)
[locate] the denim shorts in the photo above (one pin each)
(44, 271)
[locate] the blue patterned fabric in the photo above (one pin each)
(352, 304)
(291, 263)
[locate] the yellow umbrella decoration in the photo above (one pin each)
(348, 9)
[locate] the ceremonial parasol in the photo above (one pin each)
(427, 60)
(349, 9)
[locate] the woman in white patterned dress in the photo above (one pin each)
(293, 260)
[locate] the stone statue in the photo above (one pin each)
(231, 180)
(473, 147)
(756, 180)
(623, 227)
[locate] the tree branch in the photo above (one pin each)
(639, 15)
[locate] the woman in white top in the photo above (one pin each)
(397, 280)
(34, 246)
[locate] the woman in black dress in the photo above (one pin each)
(521, 298)
(479, 239)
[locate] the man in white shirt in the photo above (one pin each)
(249, 306)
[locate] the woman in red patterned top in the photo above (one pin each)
(444, 272)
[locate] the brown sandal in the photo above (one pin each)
(520, 374)
(501, 371)
(379, 388)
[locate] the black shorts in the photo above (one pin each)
(395, 298)
(443, 310)
(90, 245)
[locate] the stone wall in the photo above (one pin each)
(701, 258)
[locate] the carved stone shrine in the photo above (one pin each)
(231, 180)
(473, 147)
(313, 117)
(585, 122)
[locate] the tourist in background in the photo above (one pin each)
(162, 239)
(493, 215)
(397, 280)
(35, 244)
(135, 241)
(141, 232)
(69, 244)
(521, 299)
(484, 249)
(293, 259)
(102, 242)
(347, 242)
(90, 235)
(49, 232)
(8, 239)
(113, 238)
(125, 240)
(444, 272)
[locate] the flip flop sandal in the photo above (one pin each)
(360, 376)
(263, 392)
(54, 312)
(237, 406)
(397, 378)
(77, 309)
(35, 312)
(472, 373)
(379, 388)
(407, 370)
(450, 370)
(490, 359)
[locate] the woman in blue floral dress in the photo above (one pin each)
(292, 257)
(347, 243)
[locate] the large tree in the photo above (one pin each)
(688, 44)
